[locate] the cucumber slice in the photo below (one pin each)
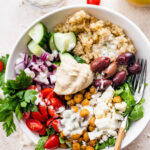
(64, 41)
(38, 34)
(51, 43)
(36, 49)
(65, 55)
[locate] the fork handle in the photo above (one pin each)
(120, 137)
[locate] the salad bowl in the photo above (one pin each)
(138, 38)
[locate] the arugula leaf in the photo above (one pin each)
(111, 142)
(62, 141)
(30, 96)
(41, 142)
(128, 124)
(138, 111)
(2, 74)
(78, 59)
(22, 82)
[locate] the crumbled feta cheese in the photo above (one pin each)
(38, 100)
(121, 106)
(42, 77)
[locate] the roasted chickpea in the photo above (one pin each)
(92, 143)
(63, 146)
(80, 140)
(92, 121)
(82, 91)
(75, 108)
(86, 137)
(75, 146)
(88, 95)
(62, 134)
(117, 99)
(75, 136)
(71, 102)
(78, 98)
(85, 102)
(68, 97)
(91, 128)
(92, 90)
(89, 148)
(83, 147)
(84, 112)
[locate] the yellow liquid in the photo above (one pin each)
(140, 2)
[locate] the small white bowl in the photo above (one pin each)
(135, 34)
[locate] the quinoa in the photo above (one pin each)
(96, 37)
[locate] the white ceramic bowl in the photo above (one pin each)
(140, 41)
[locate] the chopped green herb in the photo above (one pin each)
(78, 59)
(41, 142)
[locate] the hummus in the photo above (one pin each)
(72, 77)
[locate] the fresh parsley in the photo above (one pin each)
(78, 59)
(4, 60)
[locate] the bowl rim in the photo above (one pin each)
(117, 14)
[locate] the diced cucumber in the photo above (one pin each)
(38, 34)
(36, 49)
(65, 55)
(51, 43)
(64, 41)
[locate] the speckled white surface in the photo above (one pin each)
(16, 16)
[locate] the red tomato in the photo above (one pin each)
(1, 66)
(32, 87)
(50, 95)
(43, 131)
(26, 115)
(49, 122)
(52, 142)
(38, 116)
(56, 103)
(46, 91)
(52, 112)
(94, 2)
(34, 125)
(43, 110)
(56, 124)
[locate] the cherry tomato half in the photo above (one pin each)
(56, 124)
(56, 103)
(1, 66)
(94, 2)
(52, 112)
(52, 142)
(46, 91)
(26, 115)
(43, 131)
(34, 125)
(43, 110)
(38, 116)
(32, 87)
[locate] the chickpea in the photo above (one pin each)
(75, 136)
(92, 143)
(83, 147)
(62, 134)
(78, 98)
(68, 97)
(80, 140)
(75, 146)
(63, 146)
(92, 90)
(117, 99)
(91, 128)
(86, 137)
(92, 121)
(87, 95)
(75, 108)
(89, 148)
(71, 102)
(84, 112)
(82, 91)
(85, 102)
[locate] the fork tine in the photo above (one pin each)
(142, 79)
(136, 77)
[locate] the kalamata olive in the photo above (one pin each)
(100, 63)
(126, 58)
(119, 78)
(102, 83)
(134, 68)
(110, 70)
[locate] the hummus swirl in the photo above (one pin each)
(72, 77)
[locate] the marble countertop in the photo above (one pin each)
(16, 16)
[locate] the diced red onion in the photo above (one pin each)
(44, 57)
(19, 67)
